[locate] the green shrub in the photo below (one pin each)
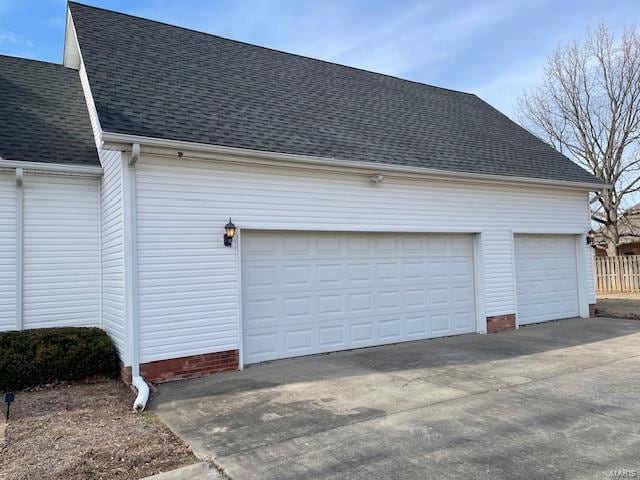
(35, 357)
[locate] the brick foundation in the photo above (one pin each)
(501, 323)
(592, 309)
(185, 367)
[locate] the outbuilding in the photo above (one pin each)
(361, 209)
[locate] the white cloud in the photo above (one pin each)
(8, 37)
(395, 39)
(414, 39)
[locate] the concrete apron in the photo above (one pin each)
(558, 400)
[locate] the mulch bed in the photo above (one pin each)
(86, 431)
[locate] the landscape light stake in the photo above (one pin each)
(9, 398)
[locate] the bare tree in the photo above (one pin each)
(588, 107)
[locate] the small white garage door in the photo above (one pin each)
(546, 277)
(306, 293)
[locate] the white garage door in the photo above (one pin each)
(546, 277)
(306, 293)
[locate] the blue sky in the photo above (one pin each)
(493, 48)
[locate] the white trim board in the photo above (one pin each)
(237, 246)
(148, 144)
(478, 284)
(339, 227)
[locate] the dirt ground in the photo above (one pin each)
(86, 431)
(619, 305)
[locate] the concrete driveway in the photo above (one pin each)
(558, 401)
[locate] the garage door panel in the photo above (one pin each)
(385, 244)
(328, 244)
(297, 309)
(291, 308)
(295, 245)
(299, 340)
(391, 329)
(262, 343)
(546, 276)
(415, 298)
(352, 290)
(462, 321)
(418, 327)
(331, 336)
(360, 302)
(329, 274)
(329, 305)
(440, 323)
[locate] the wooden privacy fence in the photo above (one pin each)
(618, 274)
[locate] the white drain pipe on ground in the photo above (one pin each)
(143, 393)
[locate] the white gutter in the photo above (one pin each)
(87, 170)
(243, 153)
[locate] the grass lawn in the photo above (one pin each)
(86, 431)
(619, 305)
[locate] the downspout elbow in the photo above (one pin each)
(143, 393)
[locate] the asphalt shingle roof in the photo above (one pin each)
(43, 114)
(157, 80)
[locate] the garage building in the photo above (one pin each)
(367, 209)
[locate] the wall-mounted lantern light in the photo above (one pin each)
(591, 237)
(229, 233)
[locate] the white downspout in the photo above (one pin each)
(131, 283)
(19, 247)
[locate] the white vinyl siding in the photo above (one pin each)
(546, 274)
(7, 251)
(497, 251)
(188, 281)
(61, 252)
(313, 292)
(113, 311)
(111, 205)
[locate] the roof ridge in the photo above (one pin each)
(370, 72)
